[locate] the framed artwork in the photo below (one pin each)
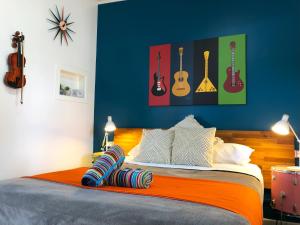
(206, 72)
(232, 70)
(71, 84)
(182, 74)
(159, 76)
(202, 72)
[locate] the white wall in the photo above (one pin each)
(45, 134)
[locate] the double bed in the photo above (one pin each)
(30, 201)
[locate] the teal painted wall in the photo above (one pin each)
(127, 29)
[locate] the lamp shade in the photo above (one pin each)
(282, 127)
(110, 125)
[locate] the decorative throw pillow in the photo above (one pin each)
(111, 160)
(193, 146)
(189, 122)
(133, 178)
(232, 153)
(155, 146)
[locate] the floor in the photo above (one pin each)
(273, 222)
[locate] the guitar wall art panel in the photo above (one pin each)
(182, 74)
(232, 70)
(205, 88)
(204, 72)
(159, 76)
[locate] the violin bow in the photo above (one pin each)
(23, 62)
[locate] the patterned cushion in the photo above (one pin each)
(155, 146)
(111, 160)
(193, 146)
(189, 122)
(134, 178)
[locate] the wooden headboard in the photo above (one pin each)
(270, 149)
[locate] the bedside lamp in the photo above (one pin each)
(109, 127)
(283, 127)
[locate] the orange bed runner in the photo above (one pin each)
(233, 197)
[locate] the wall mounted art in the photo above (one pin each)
(61, 25)
(203, 72)
(71, 85)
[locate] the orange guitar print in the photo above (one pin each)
(181, 86)
(206, 85)
(233, 83)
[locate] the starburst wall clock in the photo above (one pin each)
(62, 25)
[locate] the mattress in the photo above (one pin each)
(249, 168)
(35, 202)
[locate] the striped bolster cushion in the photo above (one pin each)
(111, 160)
(137, 178)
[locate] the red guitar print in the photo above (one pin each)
(159, 87)
(233, 83)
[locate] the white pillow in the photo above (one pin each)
(189, 122)
(155, 146)
(232, 153)
(193, 146)
(134, 151)
(218, 141)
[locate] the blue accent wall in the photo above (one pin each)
(127, 29)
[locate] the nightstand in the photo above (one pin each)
(96, 155)
(285, 191)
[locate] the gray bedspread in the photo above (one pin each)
(33, 202)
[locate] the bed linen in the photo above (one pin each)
(28, 201)
(249, 168)
(230, 196)
(249, 175)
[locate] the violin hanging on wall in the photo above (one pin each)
(15, 78)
